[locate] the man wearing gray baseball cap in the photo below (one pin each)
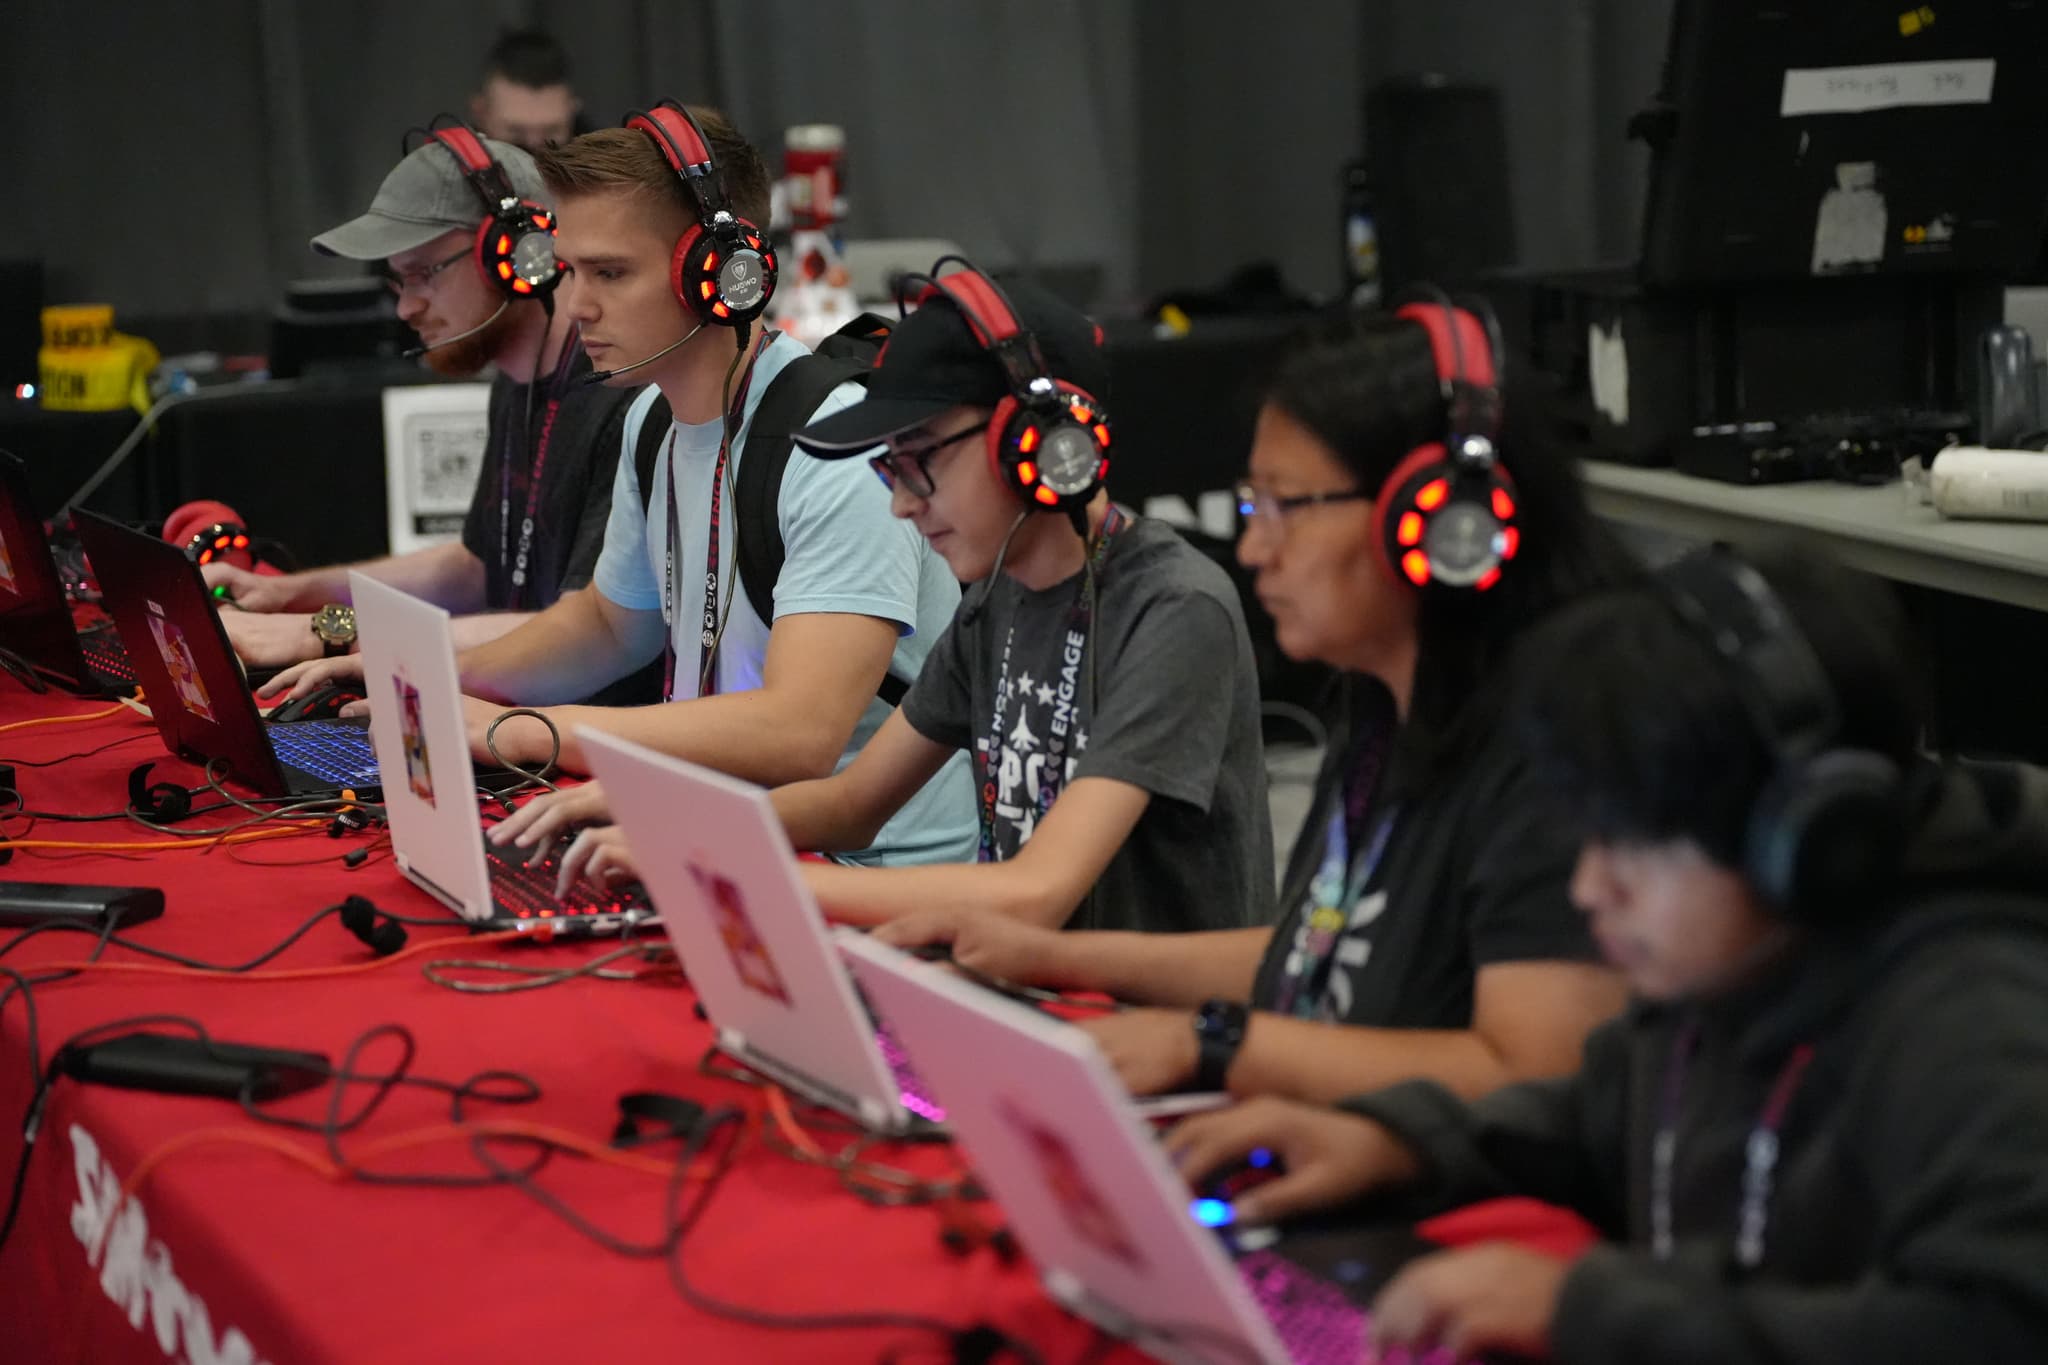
(465, 234)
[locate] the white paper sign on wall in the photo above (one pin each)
(434, 437)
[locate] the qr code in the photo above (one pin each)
(448, 454)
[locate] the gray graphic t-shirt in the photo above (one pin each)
(1173, 709)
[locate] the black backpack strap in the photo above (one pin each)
(786, 406)
(647, 448)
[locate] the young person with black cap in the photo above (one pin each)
(536, 521)
(667, 275)
(1112, 791)
(1817, 1134)
(1425, 924)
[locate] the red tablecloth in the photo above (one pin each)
(236, 1254)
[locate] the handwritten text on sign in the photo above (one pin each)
(1892, 85)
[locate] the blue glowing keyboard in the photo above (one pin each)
(336, 753)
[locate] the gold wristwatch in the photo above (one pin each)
(335, 624)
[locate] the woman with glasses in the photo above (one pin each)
(1424, 907)
(1098, 673)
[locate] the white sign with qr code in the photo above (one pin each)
(434, 437)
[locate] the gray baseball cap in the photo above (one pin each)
(424, 196)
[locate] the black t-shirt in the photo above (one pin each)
(583, 439)
(1472, 868)
(1175, 712)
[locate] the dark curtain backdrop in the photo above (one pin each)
(174, 159)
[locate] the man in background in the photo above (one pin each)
(526, 98)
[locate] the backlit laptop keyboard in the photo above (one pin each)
(910, 1086)
(1314, 1319)
(336, 752)
(104, 656)
(526, 891)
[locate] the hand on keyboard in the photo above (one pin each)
(549, 817)
(599, 853)
(1496, 1297)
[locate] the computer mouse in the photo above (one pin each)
(1215, 1202)
(322, 703)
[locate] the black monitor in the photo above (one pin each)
(1795, 139)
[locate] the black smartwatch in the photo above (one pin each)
(1219, 1032)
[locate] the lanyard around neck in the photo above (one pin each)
(671, 592)
(1759, 1154)
(515, 563)
(1053, 772)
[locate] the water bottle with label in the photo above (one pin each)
(1361, 239)
(813, 298)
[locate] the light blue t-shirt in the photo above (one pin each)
(843, 552)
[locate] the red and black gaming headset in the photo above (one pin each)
(1048, 440)
(723, 268)
(515, 243)
(208, 531)
(1446, 516)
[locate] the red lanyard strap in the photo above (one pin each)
(515, 563)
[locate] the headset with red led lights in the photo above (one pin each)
(1049, 439)
(210, 531)
(1446, 516)
(723, 268)
(515, 243)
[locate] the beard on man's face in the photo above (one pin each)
(465, 359)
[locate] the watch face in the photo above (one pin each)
(335, 624)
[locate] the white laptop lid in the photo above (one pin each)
(725, 883)
(422, 745)
(1081, 1176)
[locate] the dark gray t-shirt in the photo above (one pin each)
(583, 437)
(1175, 710)
(584, 432)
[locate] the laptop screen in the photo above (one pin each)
(35, 619)
(727, 887)
(181, 656)
(1081, 1177)
(422, 743)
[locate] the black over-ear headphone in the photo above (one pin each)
(1048, 440)
(380, 933)
(1445, 517)
(1825, 835)
(160, 803)
(723, 267)
(515, 243)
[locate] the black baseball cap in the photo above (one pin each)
(933, 362)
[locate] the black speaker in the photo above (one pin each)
(21, 321)
(1437, 156)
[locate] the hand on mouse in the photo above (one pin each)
(261, 592)
(1330, 1156)
(302, 679)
